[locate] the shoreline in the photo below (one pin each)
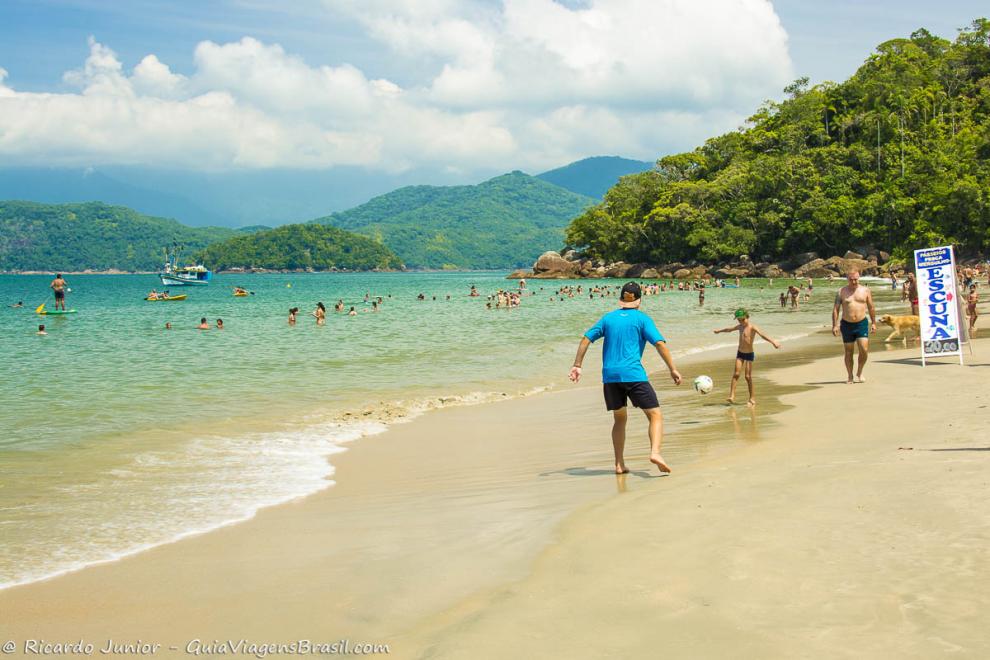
(512, 557)
(372, 419)
(422, 522)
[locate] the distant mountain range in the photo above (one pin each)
(593, 177)
(263, 197)
(229, 199)
(504, 222)
(96, 218)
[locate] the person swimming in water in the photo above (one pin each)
(292, 315)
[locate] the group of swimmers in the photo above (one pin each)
(320, 312)
(795, 294)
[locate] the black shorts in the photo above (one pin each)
(640, 393)
(59, 295)
(748, 357)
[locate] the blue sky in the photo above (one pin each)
(397, 84)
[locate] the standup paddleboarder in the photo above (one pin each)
(59, 286)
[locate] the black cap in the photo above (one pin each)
(630, 295)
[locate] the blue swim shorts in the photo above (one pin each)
(853, 331)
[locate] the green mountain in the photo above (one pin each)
(504, 222)
(292, 247)
(72, 237)
(593, 176)
(896, 157)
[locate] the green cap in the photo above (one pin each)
(741, 313)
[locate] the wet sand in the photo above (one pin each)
(857, 528)
(501, 522)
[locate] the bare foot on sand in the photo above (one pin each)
(849, 380)
(861, 378)
(621, 469)
(657, 460)
(751, 402)
(731, 401)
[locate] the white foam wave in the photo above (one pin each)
(164, 496)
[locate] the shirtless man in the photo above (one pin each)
(59, 286)
(854, 301)
(793, 292)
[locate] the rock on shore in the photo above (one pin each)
(553, 265)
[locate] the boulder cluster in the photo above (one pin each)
(553, 265)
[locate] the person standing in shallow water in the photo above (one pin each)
(59, 286)
(626, 331)
(852, 303)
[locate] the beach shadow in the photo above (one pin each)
(916, 361)
(589, 472)
(827, 382)
(960, 449)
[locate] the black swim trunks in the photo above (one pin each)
(853, 331)
(748, 357)
(641, 393)
(59, 294)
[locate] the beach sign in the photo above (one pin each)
(938, 304)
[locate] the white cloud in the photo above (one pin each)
(525, 84)
(153, 78)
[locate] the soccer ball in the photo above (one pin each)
(703, 384)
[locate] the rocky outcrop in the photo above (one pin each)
(729, 273)
(636, 270)
(571, 264)
(843, 265)
(816, 265)
(552, 262)
(617, 269)
(770, 270)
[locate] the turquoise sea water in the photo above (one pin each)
(119, 435)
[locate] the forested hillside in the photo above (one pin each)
(73, 237)
(505, 222)
(294, 247)
(896, 157)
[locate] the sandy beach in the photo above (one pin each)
(834, 520)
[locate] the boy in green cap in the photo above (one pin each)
(745, 355)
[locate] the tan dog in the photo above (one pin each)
(900, 324)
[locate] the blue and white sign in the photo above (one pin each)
(938, 306)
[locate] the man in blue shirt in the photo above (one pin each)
(627, 331)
